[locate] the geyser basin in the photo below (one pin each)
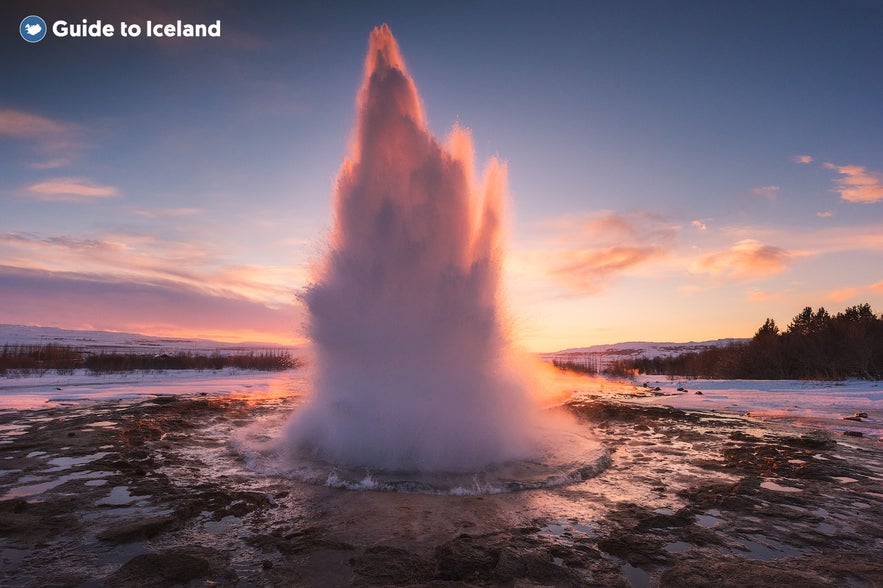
(565, 454)
(414, 370)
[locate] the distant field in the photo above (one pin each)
(23, 359)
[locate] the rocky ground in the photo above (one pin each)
(150, 493)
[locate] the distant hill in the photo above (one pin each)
(601, 354)
(113, 341)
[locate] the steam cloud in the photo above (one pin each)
(413, 368)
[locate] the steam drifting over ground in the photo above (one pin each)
(414, 369)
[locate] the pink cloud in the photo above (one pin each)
(24, 125)
(594, 250)
(857, 184)
(766, 192)
(147, 259)
(56, 140)
(168, 212)
(747, 258)
(146, 306)
(802, 159)
(70, 190)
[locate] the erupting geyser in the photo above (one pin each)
(413, 368)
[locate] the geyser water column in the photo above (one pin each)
(413, 369)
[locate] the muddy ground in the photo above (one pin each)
(150, 493)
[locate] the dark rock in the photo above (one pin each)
(732, 572)
(384, 565)
(853, 433)
(172, 567)
(465, 559)
(138, 530)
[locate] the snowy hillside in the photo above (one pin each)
(601, 354)
(113, 341)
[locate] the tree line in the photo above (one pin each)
(21, 360)
(815, 345)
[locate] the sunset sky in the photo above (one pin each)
(678, 170)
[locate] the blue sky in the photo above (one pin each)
(677, 170)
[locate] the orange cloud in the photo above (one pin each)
(843, 294)
(699, 225)
(857, 184)
(756, 295)
(802, 159)
(587, 270)
(747, 258)
(592, 251)
(70, 190)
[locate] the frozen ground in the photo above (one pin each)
(814, 404)
(51, 389)
(151, 491)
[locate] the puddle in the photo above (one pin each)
(678, 547)
(637, 577)
(222, 526)
(769, 485)
(766, 549)
(554, 530)
(119, 496)
(66, 463)
(35, 489)
(708, 521)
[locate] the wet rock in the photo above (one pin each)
(638, 550)
(173, 567)
(853, 433)
(536, 566)
(139, 530)
(35, 523)
(732, 572)
(464, 558)
(301, 541)
(384, 565)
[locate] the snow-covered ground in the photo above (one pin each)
(815, 404)
(600, 356)
(116, 341)
(51, 389)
